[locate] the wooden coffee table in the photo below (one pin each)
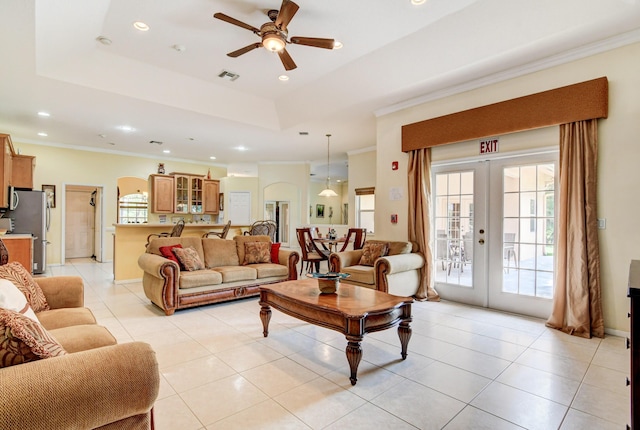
(351, 310)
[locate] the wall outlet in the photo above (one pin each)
(602, 223)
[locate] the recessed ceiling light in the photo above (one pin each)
(212, 158)
(241, 148)
(126, 128)
(139, 25)
(43, 134)
(337, 44)
(166, 151)
(44, 114)
(418, 2)
(283, 77)
(104, 40)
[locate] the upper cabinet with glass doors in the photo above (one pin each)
(189, 194)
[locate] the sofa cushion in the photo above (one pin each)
(199, 278)
(83, 337)
(167, 252)
(237, 273)
(219, 252)
(240, 241)
(12, 298)
(185, 241)
(189, 258)
(372, 251)
(269, 270)
(22, 279)
(23, 340)
(257, 252)
(396, 248)
(360, 274)
(275, 249)
(65, 317)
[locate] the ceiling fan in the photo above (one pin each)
(274, 34)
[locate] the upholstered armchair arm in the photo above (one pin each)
(391, 265)
(339, 260)
(160, 281)
(82, 390)
(289, 258)
(62, 291)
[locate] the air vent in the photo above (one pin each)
(156, 142)
(303, 133)
(230, 76)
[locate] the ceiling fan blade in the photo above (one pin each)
(244, 50)
(287, 11)
(313, 41)
(234, 21)
(286, 59)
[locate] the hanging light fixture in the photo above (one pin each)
(328, 192)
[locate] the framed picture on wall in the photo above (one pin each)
(50, 192)
(319, 211)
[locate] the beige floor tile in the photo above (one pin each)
(541, 383)
(279, 376)
(506, 334)
(172, 354)
(516, 406)
(577, 420)
(613, 359)
(609, 379)
(194, 373)
(430, 347)
(603, 403)
(172, 413)
(319, 402)
(267, 415)
(452, 381)
(418, 405)
(565, 348)
(476, 362)
(166, 390)
(473, 418)
(287, 341)
(223, 398)
(369, 417)
(321, 358)
(372, 380)
(248, 356)
(557, 365)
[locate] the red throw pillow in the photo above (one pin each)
(275, 247)
(167, 252)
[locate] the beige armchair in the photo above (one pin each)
(98, 384)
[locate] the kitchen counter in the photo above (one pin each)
(20, 248)
(15, 236)
(130, 241)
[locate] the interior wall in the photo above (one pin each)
(361, 175)
(618, 154)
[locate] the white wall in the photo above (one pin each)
(618, 158)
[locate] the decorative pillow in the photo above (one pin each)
(189, 258)
(167, 252)
(275, 248)
(257, 252)
(22, 279)
(372, 251)
(11, 298)
(23, 340)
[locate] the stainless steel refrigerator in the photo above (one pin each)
(31, 216)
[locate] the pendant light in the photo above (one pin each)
(328, 192)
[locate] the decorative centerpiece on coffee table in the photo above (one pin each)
(328, 282)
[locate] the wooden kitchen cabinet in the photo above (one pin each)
(22, 167)
(211, 196)
(162, 193)
(20, 248)
(5, 164)
(188, 193)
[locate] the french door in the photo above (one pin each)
(494, 232)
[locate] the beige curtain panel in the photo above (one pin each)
(577, 303)
(419, 221)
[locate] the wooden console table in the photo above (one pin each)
(351, 310)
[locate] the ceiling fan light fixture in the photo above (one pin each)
(273, 41)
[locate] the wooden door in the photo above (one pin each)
(79, 224)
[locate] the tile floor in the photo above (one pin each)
(467, 368)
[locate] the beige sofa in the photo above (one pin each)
(396, 273)
(224, 277)
(98, 384)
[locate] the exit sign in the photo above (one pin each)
(488, 146)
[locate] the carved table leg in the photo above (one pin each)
(265, 316)
(404, 332)
(354, 355)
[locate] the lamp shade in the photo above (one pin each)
(273, 42)
(328, 192)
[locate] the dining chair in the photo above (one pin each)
(510, 250)
(311, 254)
(175, 232)
(221, 234)
(359, 236)
(263, 228)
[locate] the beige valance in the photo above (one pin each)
(582, 101)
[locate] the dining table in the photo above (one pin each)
(330, 244)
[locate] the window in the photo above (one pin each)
(365, 208)
(133, 209)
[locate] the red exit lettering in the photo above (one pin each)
(488, 146)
